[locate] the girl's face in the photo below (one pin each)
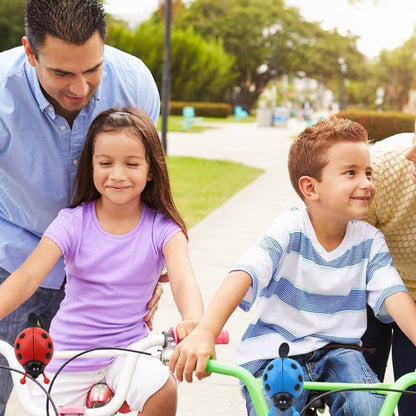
(346, 189)
(120, 167)
(411, 156)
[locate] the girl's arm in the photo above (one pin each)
(182, 280)
(402, 308)
(23, 282)
(195, 350)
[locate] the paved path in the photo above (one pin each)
(218, 240)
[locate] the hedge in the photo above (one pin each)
(222, 110)
(379, 124)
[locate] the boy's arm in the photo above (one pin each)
(402, 308)
(24, 281)
(195, 350)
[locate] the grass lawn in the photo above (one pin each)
(175, 123)
(201, 185)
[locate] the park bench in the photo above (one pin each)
(189, 119)
(240, 113)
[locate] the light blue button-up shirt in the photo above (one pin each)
(39, 151)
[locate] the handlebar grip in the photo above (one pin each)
(223, 337)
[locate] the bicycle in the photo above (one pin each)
(281, 383)
(36, 361)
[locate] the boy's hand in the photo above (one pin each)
(193, 354)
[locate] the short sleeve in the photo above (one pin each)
(62, 231)
(262, 260)
(163, 230)
(383, 279)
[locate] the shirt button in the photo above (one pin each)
(75, 162)
(62, 128)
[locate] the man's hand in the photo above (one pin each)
(154, 301)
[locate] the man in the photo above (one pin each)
(393, 211)
(51, 89)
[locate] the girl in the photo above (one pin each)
(115, 239)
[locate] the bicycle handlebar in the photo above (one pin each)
(166, 342)
(223, 337)
(254, 386)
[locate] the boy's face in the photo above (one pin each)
(346, 189)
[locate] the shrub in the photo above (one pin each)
(222, 110)
(200, 68)
(380, 125)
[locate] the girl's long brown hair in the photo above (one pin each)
(157, 193)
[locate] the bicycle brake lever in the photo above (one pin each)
(168, 347)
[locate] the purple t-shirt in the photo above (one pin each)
(110, 279)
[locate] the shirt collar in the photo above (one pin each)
(34, 84)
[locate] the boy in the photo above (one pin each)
(312, 275)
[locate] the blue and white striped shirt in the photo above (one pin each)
(39, 152)
(307, 296)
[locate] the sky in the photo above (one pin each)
(381, 24)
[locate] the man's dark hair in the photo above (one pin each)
(73, 21)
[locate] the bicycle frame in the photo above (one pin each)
(255, 387)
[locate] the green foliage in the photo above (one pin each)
(12, 26)
(200, 185)
(267, 32)
(395, 71)
(200, 69)
(202, 109)
(380, 125)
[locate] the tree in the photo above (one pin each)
(200, 69)
(396, 73)
(12, 16)
(268, 34)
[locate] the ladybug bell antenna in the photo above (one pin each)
(284, 350)
(32, 320)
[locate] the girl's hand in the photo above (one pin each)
(184, 328)
(192, 354)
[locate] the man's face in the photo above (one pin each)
(411, 156)
(69, 74)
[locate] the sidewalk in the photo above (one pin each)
(218, 241)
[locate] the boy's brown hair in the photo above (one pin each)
(308, 153)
